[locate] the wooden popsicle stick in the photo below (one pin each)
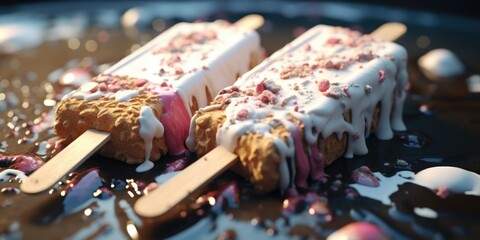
(181, 186)
(389, 31)
(251, 21)
(69, 158)
(172, 193)
(90, 141)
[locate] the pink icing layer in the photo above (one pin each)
(175, 120)
(316, 163)
(301, 161)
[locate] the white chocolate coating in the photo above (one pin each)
(316, 79)
(190, 57)
(188, 61)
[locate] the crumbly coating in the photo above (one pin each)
(74, 116)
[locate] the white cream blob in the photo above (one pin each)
(150, 128)
(441, 63)
(454, 179)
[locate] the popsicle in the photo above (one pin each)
(309, 103)
(140, 108)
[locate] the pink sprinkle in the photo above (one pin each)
(178, 71)
(323, 85)
(113, 88)
(242, 114)
(443, 192)
(140, 82)
(259, 105)
(326, 63)
(260, 88)
(205, 68)
(272, 86)
(381, 76)
(267, 97)
(102, 86)
(334, 41)
(307, 47)
(364, 176)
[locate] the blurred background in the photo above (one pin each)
(43, 41)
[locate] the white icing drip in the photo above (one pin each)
(125, 95)
(150, 128)
(320, 114)
(87, 96)
(145, 166)
(287, 152)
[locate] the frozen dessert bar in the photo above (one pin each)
(308, 104)
(146, 100)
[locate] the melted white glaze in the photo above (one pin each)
(214, 65)
(455, 180)
(150, 127)
(125, 95)
(360, 86)
(388, 185)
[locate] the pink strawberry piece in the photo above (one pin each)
(364, 176)
(323, 85)
(242, 114)
(381, 76)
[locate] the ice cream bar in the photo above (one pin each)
(145, 101)
(314, 100)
